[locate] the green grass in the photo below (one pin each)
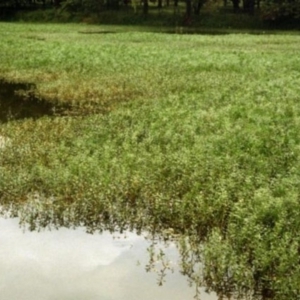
(190, 137)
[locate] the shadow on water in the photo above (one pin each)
(97, 32)
(176, 30)
(17, 101)
(214, 32)
(184, 30)
(195, 31)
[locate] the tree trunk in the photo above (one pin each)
(197, 7)
(145, 7)
(236, 5)
(249, 6)
(188, 14)
(56, 3)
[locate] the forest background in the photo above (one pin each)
(225, 14)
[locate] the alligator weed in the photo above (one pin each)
(190, 138)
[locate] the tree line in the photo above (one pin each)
(268, 9)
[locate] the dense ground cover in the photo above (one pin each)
(190, 137)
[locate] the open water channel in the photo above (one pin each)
(70, 264)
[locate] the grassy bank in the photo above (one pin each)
(192, 137)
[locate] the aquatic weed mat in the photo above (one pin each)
(206, 152)
(94, 73)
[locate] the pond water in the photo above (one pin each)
(18, 102)
(71, 264)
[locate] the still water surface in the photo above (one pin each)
(68, 264)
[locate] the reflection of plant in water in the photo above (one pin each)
(158, 256)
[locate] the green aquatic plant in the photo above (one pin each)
(190, 138)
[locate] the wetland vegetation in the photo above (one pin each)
(192, 138)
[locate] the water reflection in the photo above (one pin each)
(72, 265)
(18, 102)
